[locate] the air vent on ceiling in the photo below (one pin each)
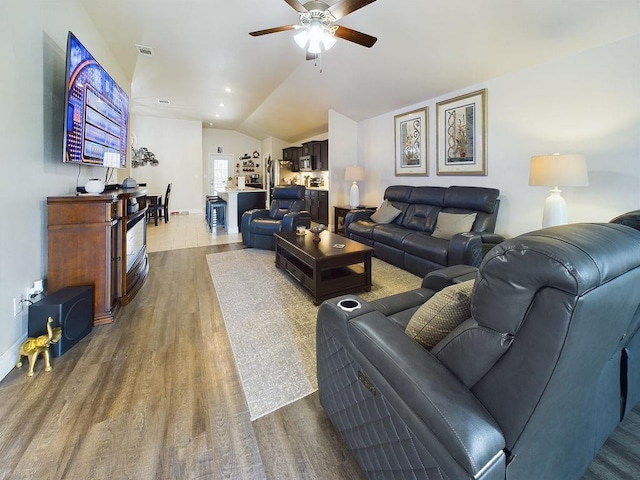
(164, 102)
(144, 50)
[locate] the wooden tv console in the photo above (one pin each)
(99, 240)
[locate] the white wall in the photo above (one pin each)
(234, 143)
(343, 152)
(587, 103)
(33, 38)
(177, 144)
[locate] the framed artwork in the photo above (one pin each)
(411, 143)
(461, 135)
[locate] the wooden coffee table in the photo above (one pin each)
(324, 268)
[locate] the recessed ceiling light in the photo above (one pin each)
(144, 50)
(228, 90)
(217, 115)
(222, 104)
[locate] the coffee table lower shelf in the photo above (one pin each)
(328, 277)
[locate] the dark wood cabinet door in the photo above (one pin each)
(295, 159)
(323, 155)
(323, 208)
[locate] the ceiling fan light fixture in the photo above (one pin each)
(316, 33)
(302, 38)
(314, 46)
(328, 41)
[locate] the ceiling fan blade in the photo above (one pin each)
(284, 28)
(355, 36)
(297, 6)
(345, 7)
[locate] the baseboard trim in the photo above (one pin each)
(10, 357)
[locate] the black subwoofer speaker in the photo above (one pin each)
(71, 308)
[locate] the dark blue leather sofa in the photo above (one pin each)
(407, 242)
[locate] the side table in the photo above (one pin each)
(340, 211)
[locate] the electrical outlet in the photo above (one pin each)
(17, 306)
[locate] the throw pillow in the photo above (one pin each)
(385, 213)
(448, 224)
(447, 309)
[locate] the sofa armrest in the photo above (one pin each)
(354, 216)
(445, 277)
(448, 409)
(250, 215)
(294, 219)
(470, 248)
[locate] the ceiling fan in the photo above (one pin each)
(316, 31)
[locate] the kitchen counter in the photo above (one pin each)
(238, 202)
(233, 190)
(325, 189)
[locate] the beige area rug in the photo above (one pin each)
(271, 322)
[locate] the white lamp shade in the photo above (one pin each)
(354, 173)
(302, 38)
(554, 171)
(558, 171)
(328, 41)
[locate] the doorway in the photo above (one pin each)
(217, 172)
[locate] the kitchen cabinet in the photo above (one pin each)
(319, 151)
(322, 159)
(292, 154)
(316, 202)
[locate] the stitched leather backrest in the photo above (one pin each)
(483, 201)
(550, 311)
(288, 199)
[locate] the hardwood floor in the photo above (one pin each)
(156, 395)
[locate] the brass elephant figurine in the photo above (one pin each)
(33, 347)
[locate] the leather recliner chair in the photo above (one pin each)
(529, 387)
(630, 219)
(286, 212)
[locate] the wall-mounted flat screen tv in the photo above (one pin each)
(97, 112)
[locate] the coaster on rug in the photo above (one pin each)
(271, 323)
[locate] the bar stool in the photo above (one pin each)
(216, 207)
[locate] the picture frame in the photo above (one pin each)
(461, 135)
(411, 143)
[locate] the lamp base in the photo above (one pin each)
(555, 209)
(354, 195)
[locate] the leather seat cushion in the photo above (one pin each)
(265, 226)
(391, 234)
(425, 246)
(363, 228)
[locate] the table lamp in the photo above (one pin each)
(554, 171)
(354, 174)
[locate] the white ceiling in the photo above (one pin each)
(425, 49)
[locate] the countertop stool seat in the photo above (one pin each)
(216, 208)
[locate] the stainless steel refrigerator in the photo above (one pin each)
(272, 177)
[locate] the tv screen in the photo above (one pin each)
(97, 112)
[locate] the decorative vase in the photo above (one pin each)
(316, 232)
(94, 185)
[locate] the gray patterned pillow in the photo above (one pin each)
(447, 309)
(448, 224)
(385, 213)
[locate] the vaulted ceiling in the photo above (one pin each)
(425, 49)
